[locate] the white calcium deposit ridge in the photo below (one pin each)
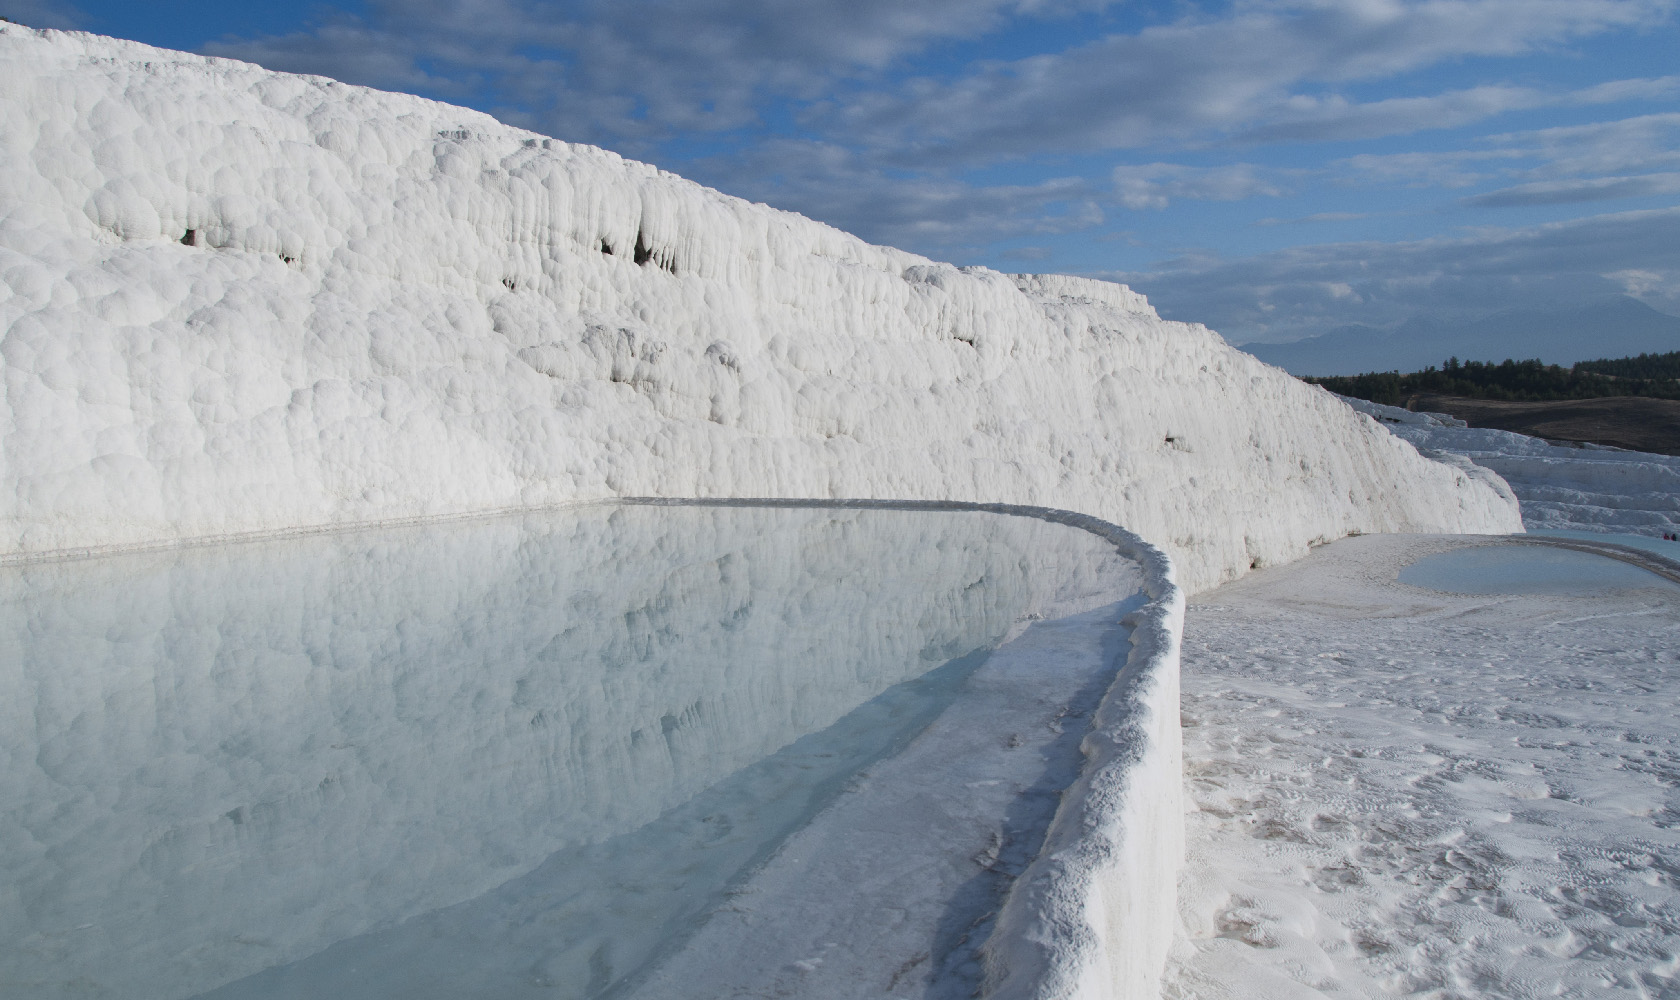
(242, 301)
(1561, 486)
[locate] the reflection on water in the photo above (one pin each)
(1649, 543)
(594, 916)
(322, 755)
(1525, 569)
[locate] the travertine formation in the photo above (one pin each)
(237, 301)
(1561, 486)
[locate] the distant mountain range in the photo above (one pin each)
(1608, 328)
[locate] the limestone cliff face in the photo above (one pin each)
(242, 301)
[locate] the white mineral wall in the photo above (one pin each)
(242, 301)
(1559, 486)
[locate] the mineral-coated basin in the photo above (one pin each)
(1526, 569)
(527, 755)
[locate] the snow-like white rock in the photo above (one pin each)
(238, 301)
(1409, 792)
(1560, 486)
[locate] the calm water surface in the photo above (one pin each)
(534, 750)
(1526, 569)
(1650, 543)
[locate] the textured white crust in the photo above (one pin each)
(1560, 486)
(237, 301)
(1092, 917)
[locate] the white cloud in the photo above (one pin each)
(1645, 142)
(627, 70)
(1315, 217)
(1648, 285)
(1630, 157)
(1334, 118)
(1574, 191)
(930, 213)
(1312, 289)
(1450, 169)
(1154, 185)
(1257, 69)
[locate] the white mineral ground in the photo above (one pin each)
(1405, 792)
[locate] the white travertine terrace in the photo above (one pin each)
(237, 301)
(1560, 486)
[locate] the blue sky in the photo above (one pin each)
(1274, 168)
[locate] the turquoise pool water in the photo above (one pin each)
(1526, 569)
(536, 751)
(1659, 546)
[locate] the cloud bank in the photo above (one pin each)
(1307, 290)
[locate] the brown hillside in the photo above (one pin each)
(1634, 422)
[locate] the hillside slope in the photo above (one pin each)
(1637, 423)
(239, 301)
(1561, 487)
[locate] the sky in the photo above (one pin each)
(1275, 169)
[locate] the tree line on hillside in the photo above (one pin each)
(1656, 375)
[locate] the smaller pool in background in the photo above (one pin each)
(1657, 546)
(1526, 569)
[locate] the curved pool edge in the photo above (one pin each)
(1091, 918)
(1663, 566)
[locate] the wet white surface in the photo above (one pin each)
(1404, 792)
